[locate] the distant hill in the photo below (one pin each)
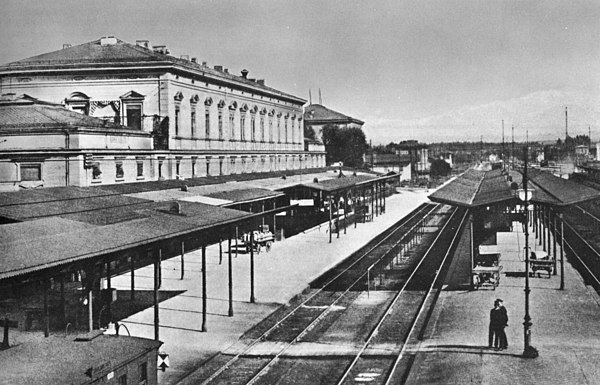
(541, 113)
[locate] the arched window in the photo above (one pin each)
(78, 102)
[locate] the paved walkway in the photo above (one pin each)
(565, 330)
(279, 275)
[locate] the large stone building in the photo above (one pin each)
(203, 121)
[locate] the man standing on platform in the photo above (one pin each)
(498, 321)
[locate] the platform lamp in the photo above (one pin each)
(525, 195)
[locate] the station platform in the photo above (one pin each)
(565, 329)
(279, 275)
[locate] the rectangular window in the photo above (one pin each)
(177, 167)
(270, 129)
(286, 129)
(232, 125)
(262, 128)
(123, 379)
(193, 118)
(242, 126)
(176, 121)
(31, 172)
(278, 130)
(207, 122)
(96, 172)
(140, 168)
(220, 124)
(160, 166)
(134, 117)
(252, 128)
(143, 373)
(119, 170)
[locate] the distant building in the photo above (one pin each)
(204, 121)
(317, 116)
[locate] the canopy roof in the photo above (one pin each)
(475, 188)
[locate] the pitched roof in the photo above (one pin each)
(316, 113)
(94, 54)
(475, 188)
(24, 112)
(59, 360)
(552, 190)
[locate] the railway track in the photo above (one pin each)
(307, 328)
(583, 252)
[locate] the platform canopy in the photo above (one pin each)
(551, 190)
(475, 188)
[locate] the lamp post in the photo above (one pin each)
(525, 195)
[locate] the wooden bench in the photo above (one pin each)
(538, 265)
(486, 275)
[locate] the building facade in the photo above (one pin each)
(203, 121)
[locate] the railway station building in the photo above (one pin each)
(178, 118)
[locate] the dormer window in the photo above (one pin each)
(133, 104)
(78, 102)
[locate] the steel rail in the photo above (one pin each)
(412, 329)
(325, 312)
(591, 273)
(417, 212)
(388, 311)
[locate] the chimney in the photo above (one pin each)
(245, 73)
(226, 70)
(110, 40)
(66, 45)
(143, 43)
(204, 64)
(195, 60)
(185, 57)
(261, 82)
(252, 80)
(161, 49)
(219, 68)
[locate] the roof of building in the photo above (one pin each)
(316, 113)
(134, 226)
(555, 191)
(60, 360)
(119, 53)
(475, 188)
(244, 195)
(344, 182)
(24, 112)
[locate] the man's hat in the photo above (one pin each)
(499, 300)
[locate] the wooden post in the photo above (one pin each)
(337, 217)
(562, 252)
(63, 301)
(345, 210)
(182, 259)
(220, 251)
(46, 309)
(132, 268)
(554, 234)
(90, 310)
(330, 215)
(237, 236)
(230, 272)
(108, 287)
(160, 267)
(252, 299)
(155, 292)
(203, 288)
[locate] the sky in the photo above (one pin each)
(430, 70)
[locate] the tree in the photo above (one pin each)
(439, 167)
(347, 145)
